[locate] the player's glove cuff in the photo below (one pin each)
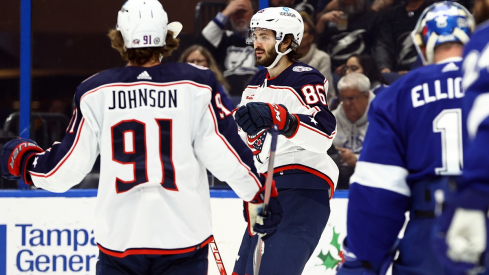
(260, 195)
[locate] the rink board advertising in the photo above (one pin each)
(47, 233)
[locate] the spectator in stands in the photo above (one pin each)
(375, 5)
(394, 50)
(314, 57)
(307, 6)
(235, 58)
(196, 54)
(351, 122)
(346, 30)
(365, 64)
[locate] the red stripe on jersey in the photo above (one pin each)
(257, 181)
(153, 251)
(268, 76)
(309, 170)
(317, 131)
(252, 87)
(63, 160)
(293, 91)
(145, 83)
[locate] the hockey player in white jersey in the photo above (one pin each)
(412, 147)
(157, 127)
(292, 95)
(462, 228)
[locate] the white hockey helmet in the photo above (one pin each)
(144, 23)
(283, 21)
(440, 23)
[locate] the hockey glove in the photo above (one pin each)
(15, 156)
(461, 230)
(253, 210)
(256, 116)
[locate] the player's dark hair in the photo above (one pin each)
(140, 56)
(294, 55)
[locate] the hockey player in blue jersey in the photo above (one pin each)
(292, 95)
(412, 146)
(462, 228)
(156, 127)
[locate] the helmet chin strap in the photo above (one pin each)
(279, 55)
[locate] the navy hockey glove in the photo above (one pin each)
(15, 156)
(461, 230)
(256, 116)
(253, 210)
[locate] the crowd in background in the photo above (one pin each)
(360, 46)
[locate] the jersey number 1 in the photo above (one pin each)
(449, 124)
(129, 147)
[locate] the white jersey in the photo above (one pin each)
(156, 129)
(302, 90)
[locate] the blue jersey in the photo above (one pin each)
(476, 111)
(414, 138)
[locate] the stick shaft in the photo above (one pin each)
(257, 255)
(217, 257)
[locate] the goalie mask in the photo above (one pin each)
(440, 23)
(144, 23)
(282, 21)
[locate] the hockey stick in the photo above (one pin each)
(217, 257)
(257, 254)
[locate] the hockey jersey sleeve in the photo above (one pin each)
(379, 194)
(316, 126)
(222, 151)
(66, 163)
(476, 86)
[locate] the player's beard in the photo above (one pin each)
(267, 58)
(481, 11)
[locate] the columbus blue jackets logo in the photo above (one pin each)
(301, 69)
(256, 142)
(135, 42)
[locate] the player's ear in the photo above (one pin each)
(285, 44)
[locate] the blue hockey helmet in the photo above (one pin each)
(442, 22)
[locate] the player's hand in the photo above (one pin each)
(461, 229)
(15, 156)
(256, 116)
(253, 210)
